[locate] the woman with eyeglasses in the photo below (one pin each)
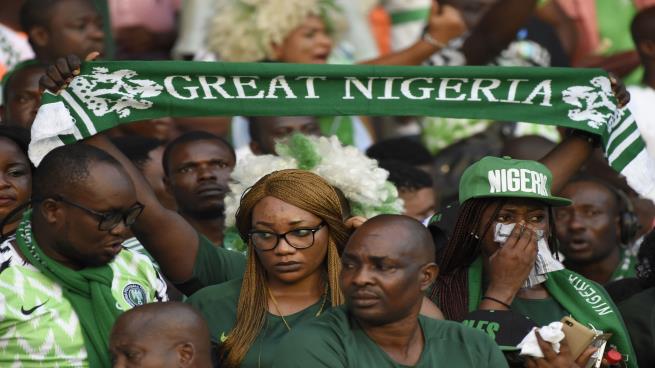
(294, 224)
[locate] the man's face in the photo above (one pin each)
(129, 348)
(77, 236)
(75, 28)
(198, 173)
(380, 278)
(419, 204)
(23, 97)
(588, 229)
(274, 128)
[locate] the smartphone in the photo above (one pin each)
(577, 336)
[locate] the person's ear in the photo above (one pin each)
(39, 36)
(428, 275)
(647, 47)
(50, 210)
(255, 148)
(185, 354)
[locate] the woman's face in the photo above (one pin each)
(531, 213)
(285, 263)
(15, 177)
(307, 44)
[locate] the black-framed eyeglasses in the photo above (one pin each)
(109, 220)
(298, 238)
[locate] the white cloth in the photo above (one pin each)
(642, 106)
(552, 333)
(544, 263)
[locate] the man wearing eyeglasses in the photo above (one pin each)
(65, 277)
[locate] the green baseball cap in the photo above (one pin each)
(505, 177)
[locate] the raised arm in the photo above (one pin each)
(164, 233)
(445, 24)
(496, 29)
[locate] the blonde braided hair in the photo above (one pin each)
(306, 191)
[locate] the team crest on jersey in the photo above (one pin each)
(134, 294)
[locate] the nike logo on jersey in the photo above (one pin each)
(223, 337)
(27, 312)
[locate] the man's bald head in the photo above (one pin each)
(160, 335)
(643, 33)
(411, 237)
(388, 264)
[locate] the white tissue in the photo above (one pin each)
(552, 333)
(544, 263)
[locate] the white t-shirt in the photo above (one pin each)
(642, 106)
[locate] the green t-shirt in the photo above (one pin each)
(38, 325)
(627, 266)
(541, 311)
(218, 304)
(213, 265)
(638, 313)
(335, 340)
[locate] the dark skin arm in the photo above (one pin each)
(496, 30)
(174, 248)
(568, 156)
(445, 23)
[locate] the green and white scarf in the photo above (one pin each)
(107, 94)
(586, 301)
(88, 290)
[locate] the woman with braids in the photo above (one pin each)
(295, 225)
(500, 254)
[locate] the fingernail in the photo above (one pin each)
(76, 72)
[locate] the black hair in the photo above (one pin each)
(646, 261)
(64, 168)
(619, 202)
(450, 291)
(9, 76)
(137, 148)
(405, 149)
(406, 177)
(643, 25)
(192, 137)
(36, 13)
(20, 136)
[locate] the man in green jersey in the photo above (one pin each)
(160, 335)
(387, 265)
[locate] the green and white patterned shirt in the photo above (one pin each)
(38, 326)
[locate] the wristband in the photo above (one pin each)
(427, 37)
(497, 301)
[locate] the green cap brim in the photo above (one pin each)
(551, 200)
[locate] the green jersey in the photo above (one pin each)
(218, 304)
(335, 340)
(38, 325)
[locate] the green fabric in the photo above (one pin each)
(88, 290)
(215, 265)
(408, 16)
(506, 177)
(586, 301)
(107, 94)
(341, 126)
(541, 311)
(218, 304)
(335, 340)
(639, 314)
(627, 266)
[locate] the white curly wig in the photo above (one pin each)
(246, 30)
